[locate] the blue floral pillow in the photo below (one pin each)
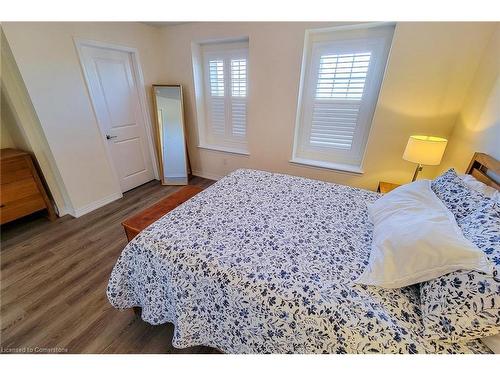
(465, 305)
(457, 197)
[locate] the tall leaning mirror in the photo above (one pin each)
(171, 141)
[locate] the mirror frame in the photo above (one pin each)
(159, 148)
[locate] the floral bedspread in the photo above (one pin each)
(264, 263)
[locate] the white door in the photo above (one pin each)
(113, 88)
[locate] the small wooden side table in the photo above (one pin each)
(385, 187)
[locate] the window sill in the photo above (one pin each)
(230, 150)
(326, 165)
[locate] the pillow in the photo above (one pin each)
(474, 184)
(492, 342)
(454, 193)
(415, 239)
(465, 305)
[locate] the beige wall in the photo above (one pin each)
(7, 125)
(430, 67)
(478, 126)
(12, 136)
(19, 117)
(47, 59)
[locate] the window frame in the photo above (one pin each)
(319, 42)
(202, 54)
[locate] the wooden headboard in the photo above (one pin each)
(486, 169)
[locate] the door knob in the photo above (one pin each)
(111, 136)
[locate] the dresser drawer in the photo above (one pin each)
(18, 208)
(21, 189)
(15, 170)
(18, 190)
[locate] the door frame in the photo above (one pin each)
(146, 118)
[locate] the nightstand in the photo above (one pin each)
(385, 187)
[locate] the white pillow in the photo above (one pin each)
(415, 239)
(492, 342)
(474, 184)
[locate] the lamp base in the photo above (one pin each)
(418, 169)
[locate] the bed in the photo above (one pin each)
(265, 263)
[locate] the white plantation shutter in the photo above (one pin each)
(339, 90)
(226, 88)
(216, 72)
(238, 97)
(239, 118)
(333, 124)
(342, 76)
(217, 107)
(239, 78)
(218, 116)
(342, 80)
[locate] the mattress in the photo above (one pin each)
(265, 263)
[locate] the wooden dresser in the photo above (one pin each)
(21, 190)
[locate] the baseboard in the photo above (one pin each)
(176, 180)
(63, 211)
(77, 212)
(209, 176)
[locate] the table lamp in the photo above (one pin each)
(424, 150)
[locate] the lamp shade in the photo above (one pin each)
(426, 150)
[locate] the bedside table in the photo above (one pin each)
(385, 187)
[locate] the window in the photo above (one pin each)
(341, 80)
(225, 89)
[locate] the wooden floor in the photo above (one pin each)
(54, 277)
